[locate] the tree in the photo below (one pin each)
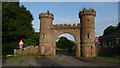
(118, 26)
(33, 41)
(16, 25)
(64, 43)
(109, 30)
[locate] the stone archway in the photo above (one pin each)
(66, 51)
(75, 34)
(50, 32)
(84, 33)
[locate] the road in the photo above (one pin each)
(60, 60)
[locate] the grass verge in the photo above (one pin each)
(19, 57)
(115, 58)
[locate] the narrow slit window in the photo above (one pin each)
(43, 35)
(88, 35)
(88, 19)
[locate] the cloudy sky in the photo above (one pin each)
(67, 12)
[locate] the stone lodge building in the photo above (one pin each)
(112, 39)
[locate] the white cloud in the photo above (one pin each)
(36, 25)
(72, 20)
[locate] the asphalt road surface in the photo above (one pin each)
(60, 60)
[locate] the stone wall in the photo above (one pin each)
(108, 51)
(27, 50)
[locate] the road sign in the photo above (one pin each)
(21, 44)
(97, 42)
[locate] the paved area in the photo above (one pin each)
(60, 60)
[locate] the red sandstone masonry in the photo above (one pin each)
(27, 50)
(83, 33)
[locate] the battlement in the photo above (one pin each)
(87, 12)
(66, 26)
(46, 15)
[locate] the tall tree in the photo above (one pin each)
(16, 25)
(109, 30)
(118, 26)
(64, 43)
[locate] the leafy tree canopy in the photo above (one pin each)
(118, 26)
(16, 25)
(64, 43)
(109, 29)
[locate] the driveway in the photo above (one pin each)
(59, 60)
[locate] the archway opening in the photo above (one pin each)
(66, 45)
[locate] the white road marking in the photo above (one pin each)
(61, 58)
(57, 60)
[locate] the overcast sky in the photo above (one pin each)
(67, 12)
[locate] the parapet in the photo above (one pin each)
(66, 26)
(46, 15)
(87, 12)
(27, 50)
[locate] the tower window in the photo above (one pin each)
(88, 36)
(43, 35)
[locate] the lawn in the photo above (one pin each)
(59, 49)
(19, 57)
(115, 58)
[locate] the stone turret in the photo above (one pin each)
(46, 20)
(45, 32)
(46, 15)
(87, 32)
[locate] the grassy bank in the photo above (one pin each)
(115, 58)
(19, 57)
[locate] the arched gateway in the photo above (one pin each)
(83, 33)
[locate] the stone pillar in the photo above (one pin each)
(87, 32)
(78, 47)
(45, 32)
(42, 49)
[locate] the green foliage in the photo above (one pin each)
(19, 57)
(33, 41)
(36, 37)
(16, 25)
(29, 42)
(109, 29)
(118, 27)
(8, 47)
(64, 43)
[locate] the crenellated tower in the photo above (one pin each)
(45, 31)
(87, 32)
(83, 32)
